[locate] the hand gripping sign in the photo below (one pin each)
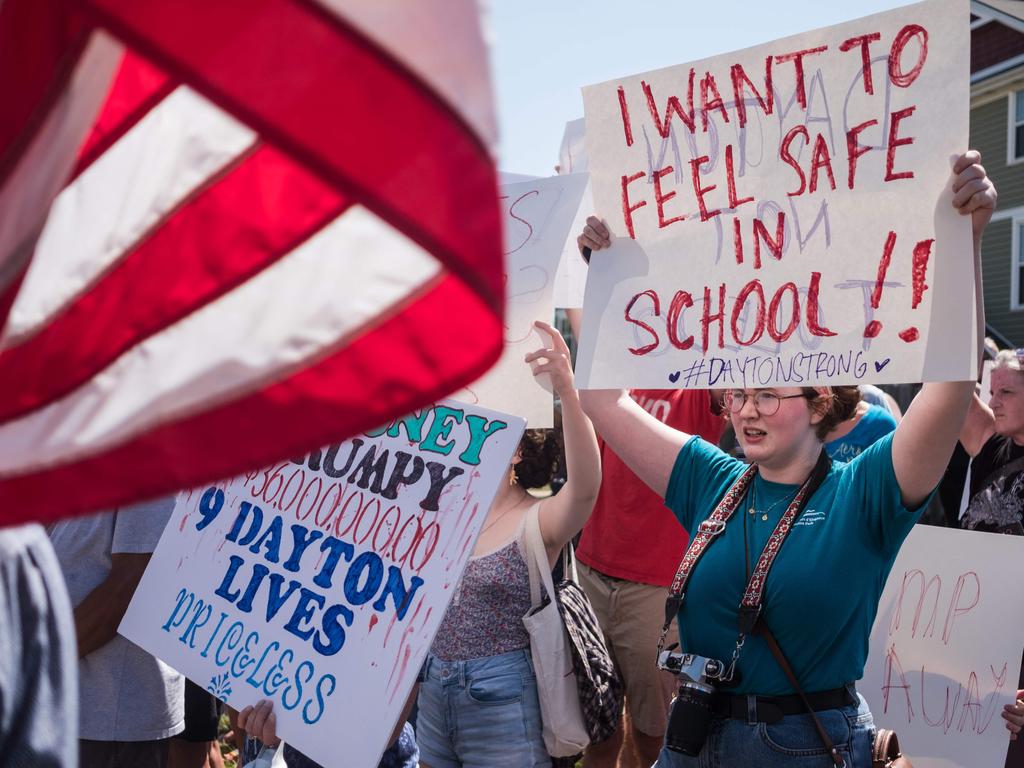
(782, 214)
(318, 583)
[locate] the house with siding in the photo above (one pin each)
(997, 131)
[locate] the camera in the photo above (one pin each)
(690, 715)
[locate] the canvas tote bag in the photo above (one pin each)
(565, 731)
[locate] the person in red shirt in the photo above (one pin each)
(628, 554)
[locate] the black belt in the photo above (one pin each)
(771, 709)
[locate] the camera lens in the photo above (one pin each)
(689, 719)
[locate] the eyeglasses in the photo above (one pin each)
(766, 403)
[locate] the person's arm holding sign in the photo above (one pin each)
(925, 438)
(648, 446)
(564, 514)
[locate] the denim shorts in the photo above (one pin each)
(481, 713)
(792, 742)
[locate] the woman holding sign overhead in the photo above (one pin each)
(780, 596)
(478, 702)
(478, 699)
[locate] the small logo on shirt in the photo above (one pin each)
(810, 517)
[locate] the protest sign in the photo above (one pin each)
(572, 155)
(319, 583)
(538, 215)
(946, 647)
(571, 277)
(986, 381)
(782, 214)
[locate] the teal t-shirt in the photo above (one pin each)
(823, 590)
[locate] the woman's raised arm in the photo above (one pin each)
(564, 514)
(648, 446)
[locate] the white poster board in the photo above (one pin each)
(571, 278)
(572, 155)
(319, 583)
(946, 647)
(800, 232)
(538, 215)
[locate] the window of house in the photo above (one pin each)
(1017, 243)
(1017, 126)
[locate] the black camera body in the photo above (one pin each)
(690, 715)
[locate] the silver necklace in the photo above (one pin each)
(764, 512)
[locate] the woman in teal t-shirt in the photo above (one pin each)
(822, 592)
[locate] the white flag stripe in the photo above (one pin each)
(281, 320)
(44, 167)
(441, 43)
(98, 218)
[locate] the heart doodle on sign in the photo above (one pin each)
(674, 377)
(881, 365)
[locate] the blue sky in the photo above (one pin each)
(544, 51)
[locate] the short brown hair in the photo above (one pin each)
(834, 409)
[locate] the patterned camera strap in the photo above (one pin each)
(713, 526)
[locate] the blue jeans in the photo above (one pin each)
(481, 713)
(792, 742)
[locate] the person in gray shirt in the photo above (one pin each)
(131, 703)
(38, 670)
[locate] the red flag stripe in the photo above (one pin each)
(327, 399)
(138, 87)
(245, 219)
(437, 184)
(43, 69)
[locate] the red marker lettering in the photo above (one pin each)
(700, 191)
(896, 74)
(854, 149)
(673, 106)
(660, 199)
(640, 323)
(787, 157)
(739, 79)
(894, 141)
(863, 42)
(627, 209)
(797, 57)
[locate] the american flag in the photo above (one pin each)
(232, 231)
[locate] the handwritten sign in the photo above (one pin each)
(572, 155)
(782, 214)
(538, 215)
(946, 647)
(571, 277)
(319, 583)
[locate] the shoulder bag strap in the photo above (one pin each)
(537, 559)
(713, 526)
(773, 645)
(750, 608)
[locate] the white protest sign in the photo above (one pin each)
(782, 214)
(571, 277)
(538, 215)
(986, 381)
(572, 155)
(946, 647)
(319, 583)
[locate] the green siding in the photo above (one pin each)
(989, 136)
(996, 260)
